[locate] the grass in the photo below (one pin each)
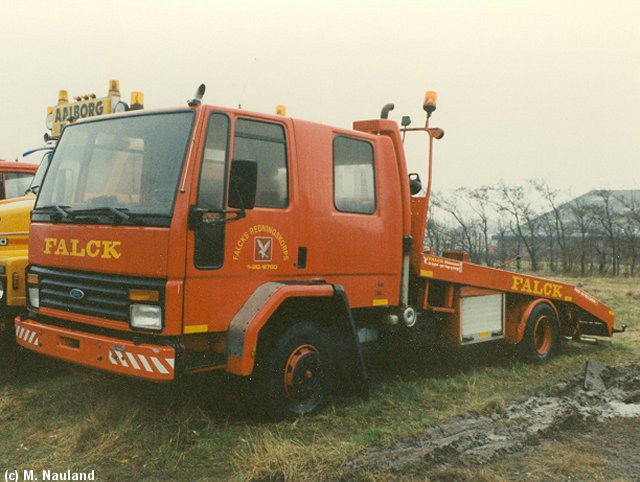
(52, 418)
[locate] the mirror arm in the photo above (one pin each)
(197, 216)
(236, 214)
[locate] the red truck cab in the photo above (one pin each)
(15, 178)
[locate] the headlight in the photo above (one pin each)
(148, 317)
(34, 296)
(2, 289)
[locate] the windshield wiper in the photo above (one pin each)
(60, 209)
(120, 213)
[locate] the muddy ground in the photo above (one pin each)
(583, 428)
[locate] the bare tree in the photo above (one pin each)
(548, 239)
(517, 202)
(503, 248)
(607, 219)
(435, 232)
(556, 223)
(630, 227)
(470, 231)
(583, 216)
(596, 233)
(480, 203)
(463, 237)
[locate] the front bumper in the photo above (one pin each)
(148, 361)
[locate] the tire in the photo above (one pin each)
(295, 375)
(541, 339)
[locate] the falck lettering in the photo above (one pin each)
(92, 249)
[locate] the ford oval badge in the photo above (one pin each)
(76, 294)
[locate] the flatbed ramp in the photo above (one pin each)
(450, 282)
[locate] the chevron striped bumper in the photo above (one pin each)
(152, 362)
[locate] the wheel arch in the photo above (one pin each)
(274, 306)
(527, 307)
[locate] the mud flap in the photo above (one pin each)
(353, 372)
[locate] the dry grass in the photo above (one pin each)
(51, 418)
(278, 456)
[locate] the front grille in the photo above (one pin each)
(104, 296)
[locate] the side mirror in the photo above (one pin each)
(243, 184)
(415, 184)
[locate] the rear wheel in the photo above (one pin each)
(295, 375)
(541, 339)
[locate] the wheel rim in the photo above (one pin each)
(543, 335)
(303, 374)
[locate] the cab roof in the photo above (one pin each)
(14, 166)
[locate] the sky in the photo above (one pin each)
(546, 89)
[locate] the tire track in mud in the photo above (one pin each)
(505, 428)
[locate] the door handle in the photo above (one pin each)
(302, 257)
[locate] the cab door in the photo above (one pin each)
(228, 260)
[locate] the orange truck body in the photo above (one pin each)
(306, 256)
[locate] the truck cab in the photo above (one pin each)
(15, 178)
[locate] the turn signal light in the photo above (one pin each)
(144, 295)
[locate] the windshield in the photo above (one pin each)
(36, 182)
(123, 169)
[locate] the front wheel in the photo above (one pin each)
(295, 375)
(541, 338)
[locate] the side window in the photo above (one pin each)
(212, 173)
(209, 238)
(353, 176)
(266, 144)
(16, 183)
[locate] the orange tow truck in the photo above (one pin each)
(206, 238)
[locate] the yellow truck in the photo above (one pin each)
(15, 213)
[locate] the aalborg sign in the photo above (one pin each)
(78, 110)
